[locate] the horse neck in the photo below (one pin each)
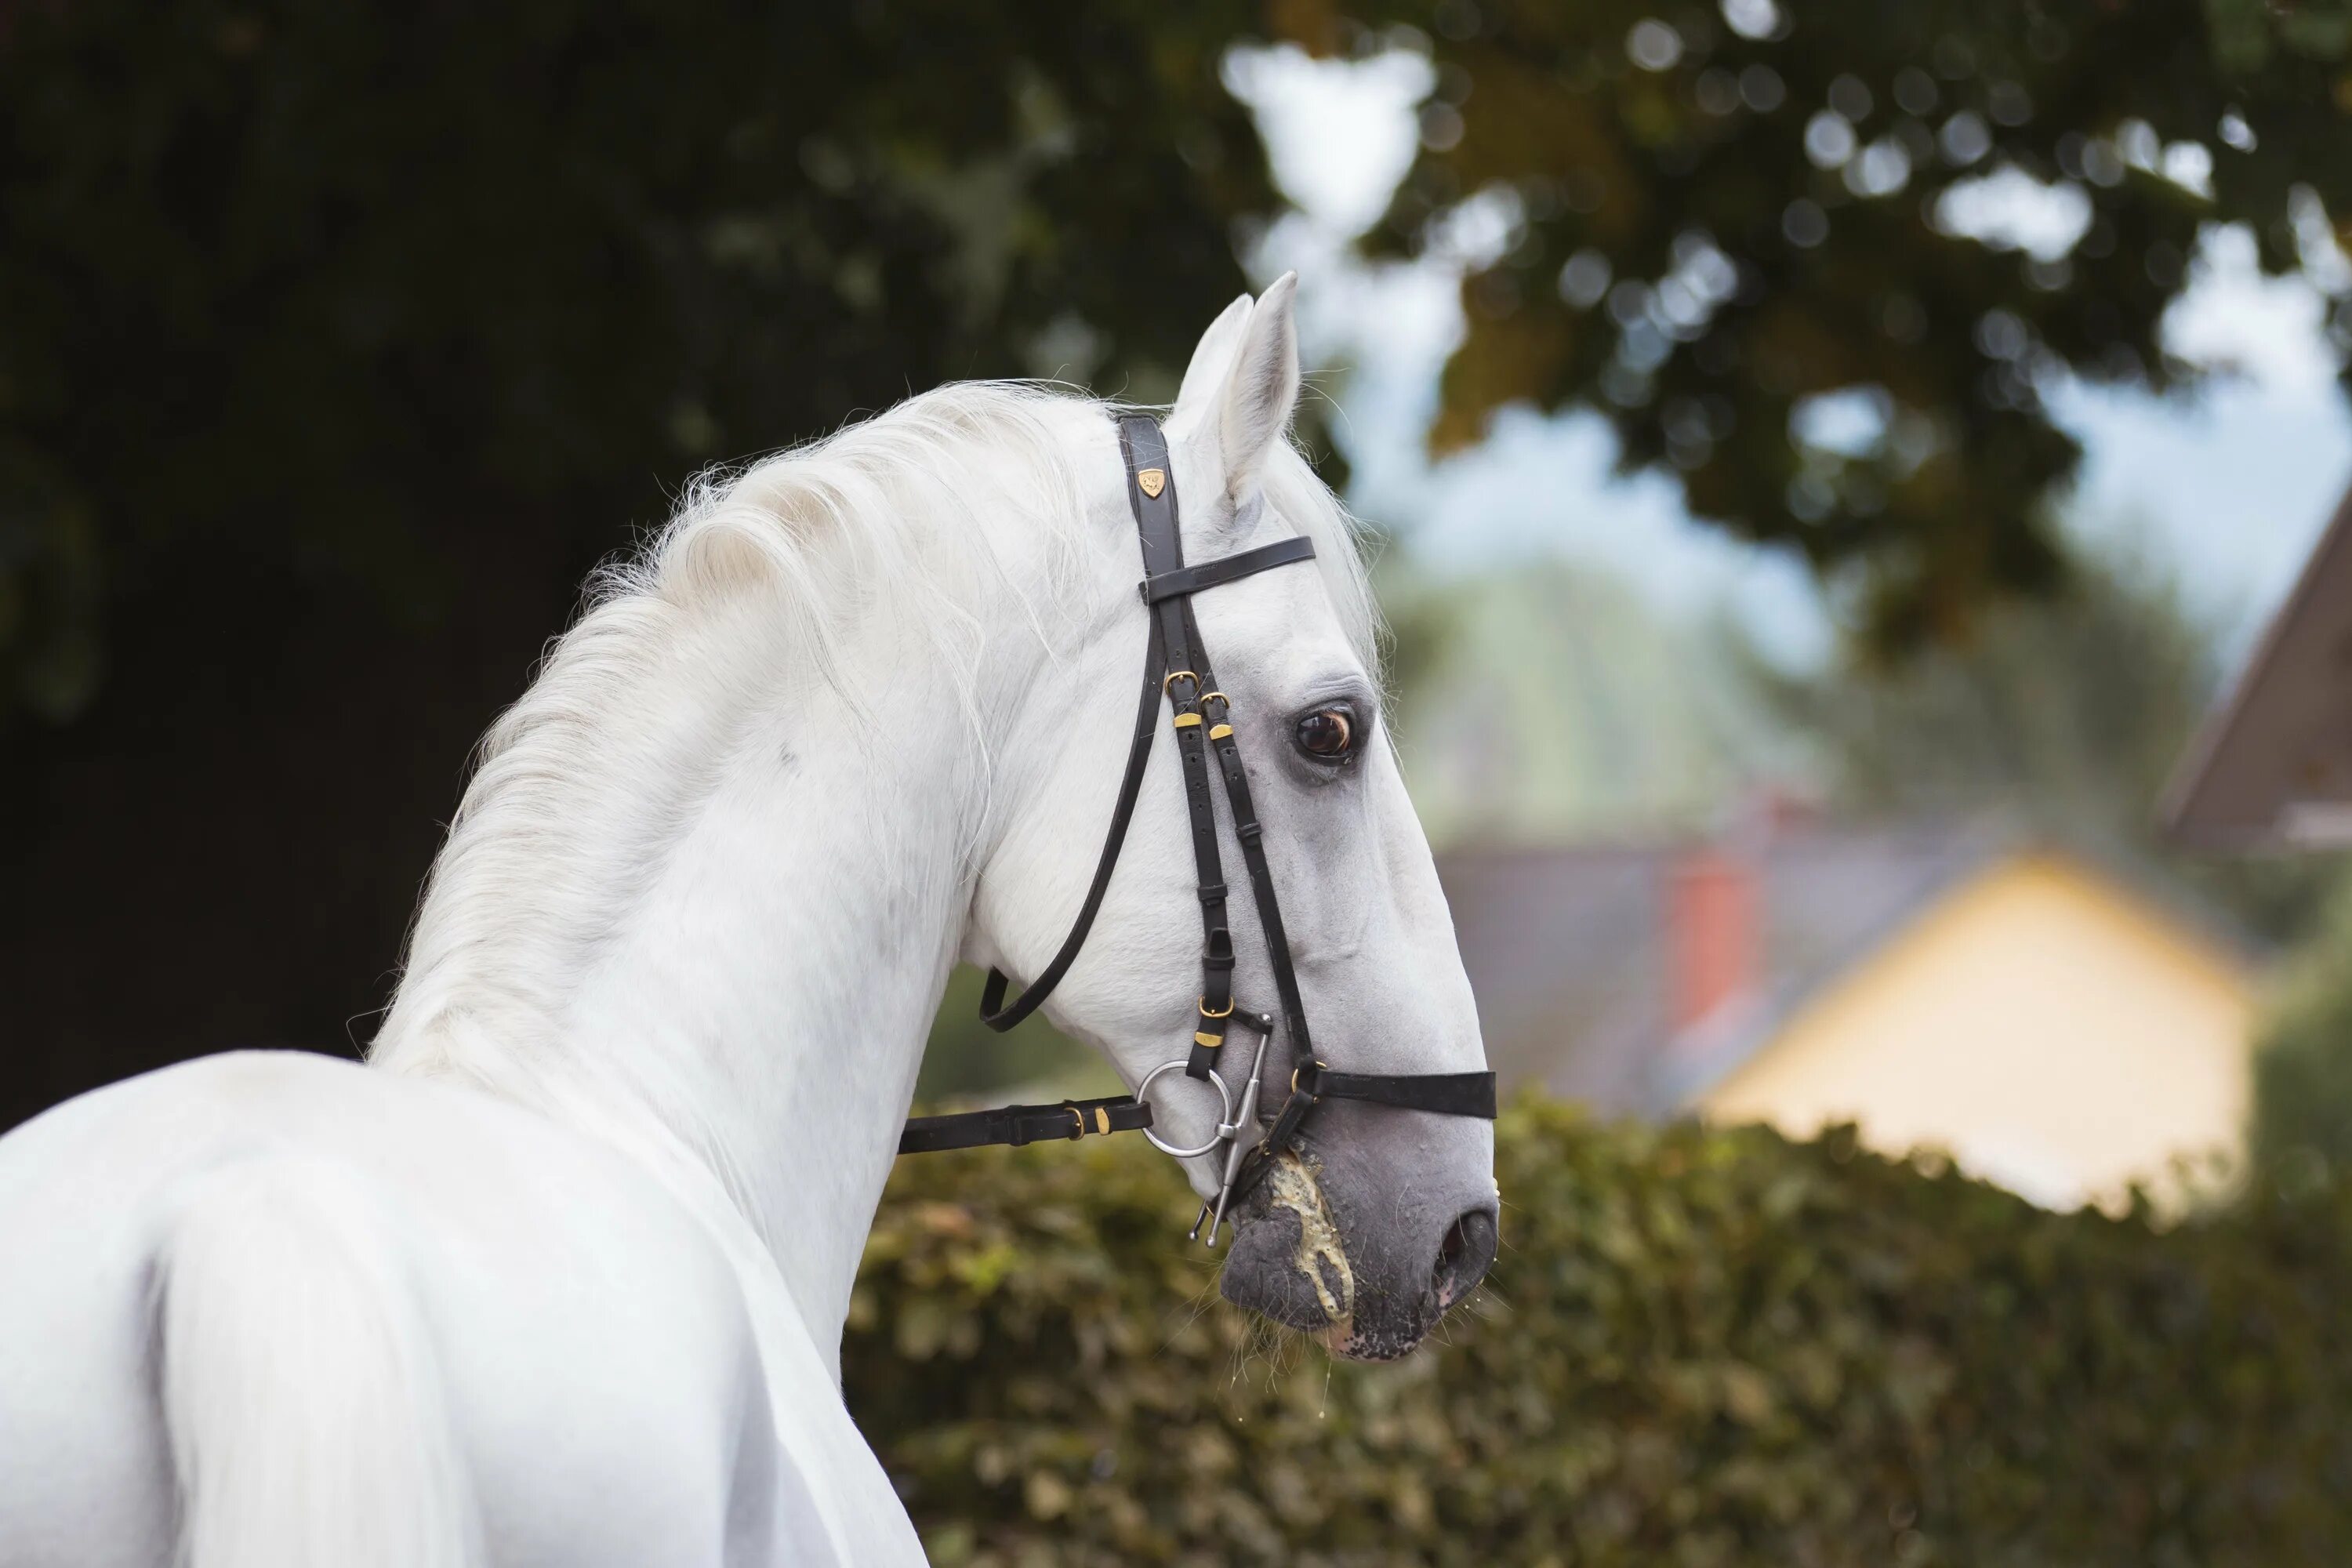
(724, 932)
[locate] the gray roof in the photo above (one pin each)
(2273, 766)
(1566, 950)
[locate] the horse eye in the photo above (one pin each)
(1327, 733)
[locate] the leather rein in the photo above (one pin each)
(1177, 675)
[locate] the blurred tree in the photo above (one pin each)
(1553, 702)
(337, 342)
(1743, 234)
(2071, 709)
(328, 289)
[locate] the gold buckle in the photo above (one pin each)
(1315, 1099)
(1079, 1117)
(1228, 1013)
(1221, 730)
(1173, 675)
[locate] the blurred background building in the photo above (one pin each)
(2061, 1027)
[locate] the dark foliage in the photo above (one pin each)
(1698, 1348)
(338, 343)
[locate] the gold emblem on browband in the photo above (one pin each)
(1151, 482)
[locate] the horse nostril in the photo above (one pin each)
(1465, 1255)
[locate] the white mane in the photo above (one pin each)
(579, 788)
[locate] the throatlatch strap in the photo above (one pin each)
(992, 1010)
(1019, 1124)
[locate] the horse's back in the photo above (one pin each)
(287, 1217)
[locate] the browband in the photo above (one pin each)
(1209, 574)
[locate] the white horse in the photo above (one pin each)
(559, 1276)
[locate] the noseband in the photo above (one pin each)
(1176, 673)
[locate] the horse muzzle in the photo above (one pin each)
(1370, 1292)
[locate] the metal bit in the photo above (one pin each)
(1244, 1122)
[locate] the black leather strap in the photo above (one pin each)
(1250, 834)
(1188, 683)
(1224, 569)
(1280, 1136)
(1019, 1124)
(1446, 1093)
(1440, 1093)
(992, 1010)
(1176, 670)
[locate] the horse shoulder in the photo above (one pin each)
(608, 1386)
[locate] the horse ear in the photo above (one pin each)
(1262, 388)
(1212, 360)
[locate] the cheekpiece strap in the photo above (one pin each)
(1177, 678)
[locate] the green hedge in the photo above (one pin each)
(2303, 1065)
(1697, 1347)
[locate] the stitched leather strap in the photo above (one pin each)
(1189, 682)
(1251, 836)
(1440, 1093)
(1174, 645)
(1209, 574)
(992, 1010)
(1019, 1124)
(1176, 670)
(1446, 1093)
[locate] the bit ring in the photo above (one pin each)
(1224, 1095)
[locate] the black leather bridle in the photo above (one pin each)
(1177, 673)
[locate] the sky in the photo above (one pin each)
(2227, 489)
